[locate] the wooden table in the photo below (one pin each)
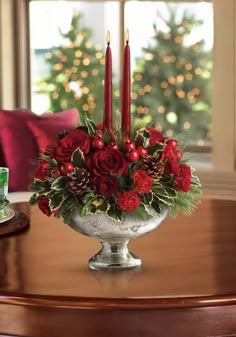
(185, 288)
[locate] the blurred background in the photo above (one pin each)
(171, 61)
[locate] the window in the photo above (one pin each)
(222, 176)
(171, 61)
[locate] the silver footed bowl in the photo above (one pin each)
(114, 237)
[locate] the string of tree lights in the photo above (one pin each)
(76, 75)
(172, 82)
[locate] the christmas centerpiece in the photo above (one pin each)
(114, 183)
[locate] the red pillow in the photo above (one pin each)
(46, 128)
(18, 147)
(21, 143)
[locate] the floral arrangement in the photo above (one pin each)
(90, 170)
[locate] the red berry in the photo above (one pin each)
(98, 143)
(142, 151)
(172, 143)
(67, 168)
(178, 155)
(113, 146)
(127, 140)
(129, 146)
(133, 155)
(55, 172)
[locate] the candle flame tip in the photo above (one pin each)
(127, 36)
(108, 38)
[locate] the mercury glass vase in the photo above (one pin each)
(114, 237)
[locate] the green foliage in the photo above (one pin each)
(115, 213)
(187, 202)
(56, 200)
(33, 199)
(173, 78)
(69, 208)
(78, 158)
(147, 198)
(3, 202)
(142, 138)
(59, 184)
(40, 187)
(91, 127)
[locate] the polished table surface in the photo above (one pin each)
(188, 262)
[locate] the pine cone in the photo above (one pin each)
(78, 180)
(153, 166)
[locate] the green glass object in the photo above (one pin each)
(4, 176)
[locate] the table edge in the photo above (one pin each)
(99, 303)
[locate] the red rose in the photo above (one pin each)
(42, 170)
(128, 201)
(105, 185)
(142, 181)
(172, 167)
(106, 162)
(68, 144)
(43, 204)
(183, 180)
(155, 136)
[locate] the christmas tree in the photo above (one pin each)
(172, 81)
(76, 72)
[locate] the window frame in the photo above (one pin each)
(221, 179)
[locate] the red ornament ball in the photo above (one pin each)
(142, 151)
(55, 172)
(113, 146)
(172, 143)
(67, 168)
(98, 143)
(133, 155)
(129, 146)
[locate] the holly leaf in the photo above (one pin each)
(142, 137)
(56, 200)
(33, 199)
(141, 212)
(115, 213)
(125, 182)
(147, 198)
(59, 184)
(156, 206)
(158, 147)
(77, 158)
(103, 207)
(40, 187)
(195, 181)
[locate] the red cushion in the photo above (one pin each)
(46, 128)
(18, 146)
(21, 143)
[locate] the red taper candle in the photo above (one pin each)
(126, 100)
(108, 97)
